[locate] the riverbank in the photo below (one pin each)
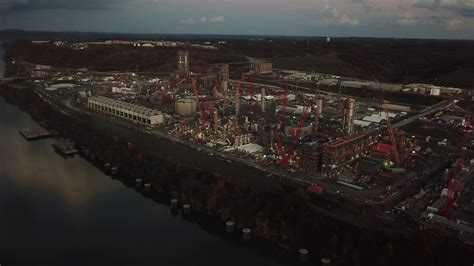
(277, 216)
(58, 211)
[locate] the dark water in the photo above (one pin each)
(2, 64)
(66, 212)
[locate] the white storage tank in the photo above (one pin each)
(186, 106)
(435, 91)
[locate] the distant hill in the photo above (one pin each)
(15, 34)
(439, 62)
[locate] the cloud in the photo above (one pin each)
(217, 19)
(462, 7)
(10, 6)
(187, 21)
(330, 16)
(202, 20)
(409, 19)
(454, 24)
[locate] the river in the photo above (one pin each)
(56, 211)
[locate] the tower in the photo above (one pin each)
(183, 62)
(237, 101)
(224, 72)
(349, 115)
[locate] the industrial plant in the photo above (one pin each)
(374, 150)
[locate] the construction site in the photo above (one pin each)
(314, 129)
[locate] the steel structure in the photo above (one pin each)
(391, 134)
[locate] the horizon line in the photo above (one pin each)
(233, 35)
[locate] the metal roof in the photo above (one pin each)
(124, 105)
(377, 118)
(251, 148)
(362, 123)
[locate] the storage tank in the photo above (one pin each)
(186, 107)
(435, 91)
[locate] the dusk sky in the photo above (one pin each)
(360, 18)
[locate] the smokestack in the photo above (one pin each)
(349, 115)
(317, 114)
(319, 106)
(224, 85)
(224, 72)
(263, 100)
(216, 119)
(237, 101)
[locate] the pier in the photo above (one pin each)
(35, 133)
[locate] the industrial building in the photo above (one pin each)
(338, 152)
(263, 68)
(135, 113)
(308, 134)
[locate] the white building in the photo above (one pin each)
(379, 117)
(128, 111)
(250, 148)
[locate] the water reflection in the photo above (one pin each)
(65, 212)
(36, 165)
(2, 63)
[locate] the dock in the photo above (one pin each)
(35, 133)
(65, 147)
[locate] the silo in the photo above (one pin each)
(186, 106)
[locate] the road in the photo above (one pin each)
(427, 111)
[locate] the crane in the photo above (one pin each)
(455, 185)
(282, 113)
(285, 158)
(296, 136)
(391, 134)
(454, 188)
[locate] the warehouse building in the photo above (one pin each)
(128, 111)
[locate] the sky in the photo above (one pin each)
(450, 19)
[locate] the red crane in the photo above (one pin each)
(282, 113)
(455, 186)
(281, 116)
(285, 158)
(296, 136)
(393, 140)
